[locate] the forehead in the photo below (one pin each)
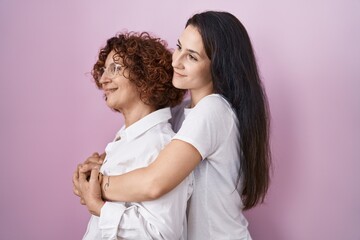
(110, 58)
(191, 39)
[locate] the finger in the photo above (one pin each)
(88, 167)
(102, 156)
(96, 159)
(76, 186)
(94, 177)
(75, 181)
(84, 168)
(75, 177)
(76, 192)
(78, 167)
(82, 177)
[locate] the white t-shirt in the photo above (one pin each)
(215, 208)
(164, 218)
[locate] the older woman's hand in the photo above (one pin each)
(95, 160)
(90, 191)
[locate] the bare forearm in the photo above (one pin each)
(170, 168)
(134, 186)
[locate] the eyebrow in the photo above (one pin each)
(190, 50)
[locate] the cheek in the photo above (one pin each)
(132, 91)
(174, 57)
(126, 85)
(206, 73)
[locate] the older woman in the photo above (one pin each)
(134, 71)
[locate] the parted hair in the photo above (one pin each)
(148, 62)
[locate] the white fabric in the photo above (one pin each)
(215, 208)
(163, 218)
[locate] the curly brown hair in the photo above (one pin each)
(149, 63)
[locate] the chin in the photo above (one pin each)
(110, 104)
(178, 85)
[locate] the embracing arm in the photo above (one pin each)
(174, 163)
(135, 220)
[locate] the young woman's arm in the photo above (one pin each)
(174, 163)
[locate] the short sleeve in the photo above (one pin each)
(207, 125)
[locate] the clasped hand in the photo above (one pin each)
(86, 183)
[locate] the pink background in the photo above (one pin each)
(52, 116)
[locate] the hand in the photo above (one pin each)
(90, 191)
(94, 160)
(76, 187)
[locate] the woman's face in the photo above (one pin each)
(190, 62)
(119, 92)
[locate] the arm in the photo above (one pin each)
(174, 163)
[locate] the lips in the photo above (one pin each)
(108, 91)
(178, 74)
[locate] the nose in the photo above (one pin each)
(104, 80)
(177, 60)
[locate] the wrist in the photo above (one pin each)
(95, 206)
(105, 184)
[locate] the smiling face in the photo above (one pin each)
(120, 93)
(191, 64)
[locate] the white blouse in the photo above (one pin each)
(164, 218)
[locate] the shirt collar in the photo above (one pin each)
(145, 123)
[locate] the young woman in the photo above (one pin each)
(224, 138)
(134, 72)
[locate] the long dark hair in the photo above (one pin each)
(235, 76)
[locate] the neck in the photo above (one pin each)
(136, 113)
(198, 94)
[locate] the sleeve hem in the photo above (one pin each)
(191, 142)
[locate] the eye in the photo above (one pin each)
(102, 70)
(191, 57)
(112, 68)
(178, 46)
(118, 68)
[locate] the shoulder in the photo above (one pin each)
(158, 129)
(214, 111)
(208, 124)
(213, 104)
